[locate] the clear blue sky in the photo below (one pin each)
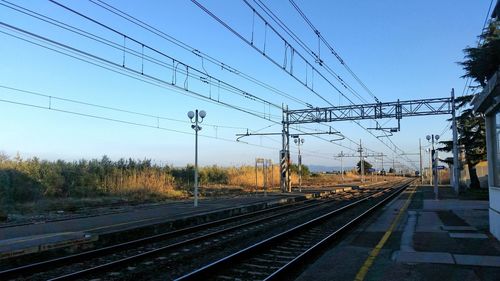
(400, 49)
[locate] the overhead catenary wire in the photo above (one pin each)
(318, 59)
(280, 23)
(308, 50)
(114, 109)
(332, 50)
(80, 14)
(282, 38)
(52, 107)
(134, 74)
(193, 50)
(120, 68)
(141, 76)
(468, 80)
(220, 84)
(154, 30)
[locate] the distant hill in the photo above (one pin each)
(320, 168)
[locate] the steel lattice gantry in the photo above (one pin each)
(398, 110)
(380, 110)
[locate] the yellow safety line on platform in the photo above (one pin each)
(360, 276)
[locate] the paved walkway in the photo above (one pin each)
(439, 240)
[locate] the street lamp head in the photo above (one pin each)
(436, 137)
(202, 114)
(428, 137)
(302, 140)
(190, 114)
(295, 140)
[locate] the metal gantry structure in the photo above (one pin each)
(380, 110)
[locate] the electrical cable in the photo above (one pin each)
(197, 52)
(335, 53)
(260, 51)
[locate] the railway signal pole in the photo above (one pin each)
(420, 155)
(299, 141)
(434, 154)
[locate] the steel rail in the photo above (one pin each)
(134, 258)
(206, 271)
(114, 264)
(319, 247)
(42, 266)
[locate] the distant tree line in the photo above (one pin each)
(24, 180)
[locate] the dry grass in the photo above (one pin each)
(247, 177)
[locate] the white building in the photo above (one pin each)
(488, 102)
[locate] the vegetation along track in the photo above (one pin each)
(174, 243)
(279, 257)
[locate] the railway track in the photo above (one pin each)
(278, 257)
(172, 247)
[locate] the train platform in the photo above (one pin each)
(416, 237)
(80, 233)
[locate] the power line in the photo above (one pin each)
(188, 70)
(335, 53)
(322, 63)
(51, 107)
(468, 81)
(193, 50)
(51, 98)
(304, 46)
(148, 27)
(87, 57)
(135, 74)
(250, 43)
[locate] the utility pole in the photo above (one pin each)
(361, 162)
(341, 155)
(456, 171)
(382, 155)
(393, 166)
(420, 153)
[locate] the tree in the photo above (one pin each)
(391, 170)
(367, 166)
(480, 64)
(471, 136)
(294, 168)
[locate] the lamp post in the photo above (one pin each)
(428, 150)
(434, 156)
(196, 128)
(298, 141)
